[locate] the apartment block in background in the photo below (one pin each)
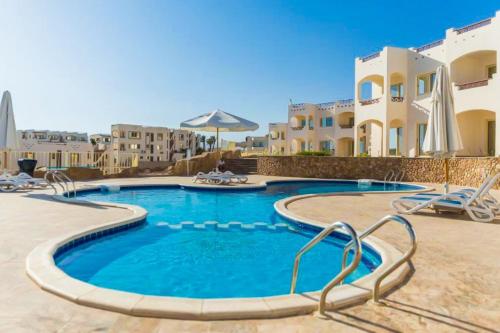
(101, 142)
(277, 138)
(393, 90)
(52, 141)
(316, 127)
(152, 144)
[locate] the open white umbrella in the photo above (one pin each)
(8, 138)
(219, 121)
(443, 135)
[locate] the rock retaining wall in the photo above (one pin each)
(465, 171)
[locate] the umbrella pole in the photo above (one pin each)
(217, 143)
(446, 176)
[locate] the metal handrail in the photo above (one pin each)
(406, 257)
(400, 175)
(61, 179)
(51, 183)
(343, 273)
(388, 176)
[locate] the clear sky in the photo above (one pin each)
(84, 65)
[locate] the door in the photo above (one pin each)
(491, 137)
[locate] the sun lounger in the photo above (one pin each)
(31, 181)
(473, 202)
(236, 178)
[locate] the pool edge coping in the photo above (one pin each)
(41, 268)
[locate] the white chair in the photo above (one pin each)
(476, 203)
(236, 178)
(9, 185)
(31, 181)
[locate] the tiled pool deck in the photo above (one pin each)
(455, 286)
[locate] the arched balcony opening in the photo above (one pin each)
(345, 119)
(298, 122)
(371, 89)
(396, 137)
(473, 69)
(344, 147)
(477, 129)
(298, 145)
(397, 87)
(370, 137)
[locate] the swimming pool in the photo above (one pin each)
(205, 243)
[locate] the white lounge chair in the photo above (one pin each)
(9, 185)
(485, 196)
(473, 202)
(31, 181)
(236, 178)
(211, 177)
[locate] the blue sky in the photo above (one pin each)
(84, 65)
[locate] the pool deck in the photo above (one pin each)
(455, 285)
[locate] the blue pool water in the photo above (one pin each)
(213, 260)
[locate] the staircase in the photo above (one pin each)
(241, 165)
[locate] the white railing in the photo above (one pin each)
(108, 162)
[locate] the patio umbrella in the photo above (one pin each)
(219, 121)
(443, 136)
(8, 139)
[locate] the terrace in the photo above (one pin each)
(443, 282)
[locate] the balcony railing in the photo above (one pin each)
(370, 101)
(298, 128)
(429, 46)
(474, 84)
(370, 57)
(473, 26)
(397, 99)
(346, 125)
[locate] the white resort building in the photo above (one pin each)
(152, 144)
(315, 127)
(101, 142)
(393, 89)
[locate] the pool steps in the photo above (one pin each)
(212, 225)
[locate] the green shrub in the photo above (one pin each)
(313, 153)
(363, 155)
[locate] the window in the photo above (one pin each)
(395, 141)
(303, 123)
(491, 137)
(326, 122)
(134, 135)
(159, 136)
(122, 147)
(283, 135)
(425, 83)
(492, 69)
(397, 90)
(134, 146)
(122, 134)
(311, 123)
(326, 146)
(159, 147)
(421, 130)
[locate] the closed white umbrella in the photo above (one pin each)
(8, 138)
(443, 135)
(219, 121)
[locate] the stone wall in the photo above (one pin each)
(463, 171)
(205, 162)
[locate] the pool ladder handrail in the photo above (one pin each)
(345, 270)
(63, 181)
(394, 177)
(405, 258)
(388, 176)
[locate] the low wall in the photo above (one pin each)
(205, 162)
(464, 171)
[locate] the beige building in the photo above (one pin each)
(315, 127)
(152, 143)
(277, 138)
(393, 88)
(101, 142)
